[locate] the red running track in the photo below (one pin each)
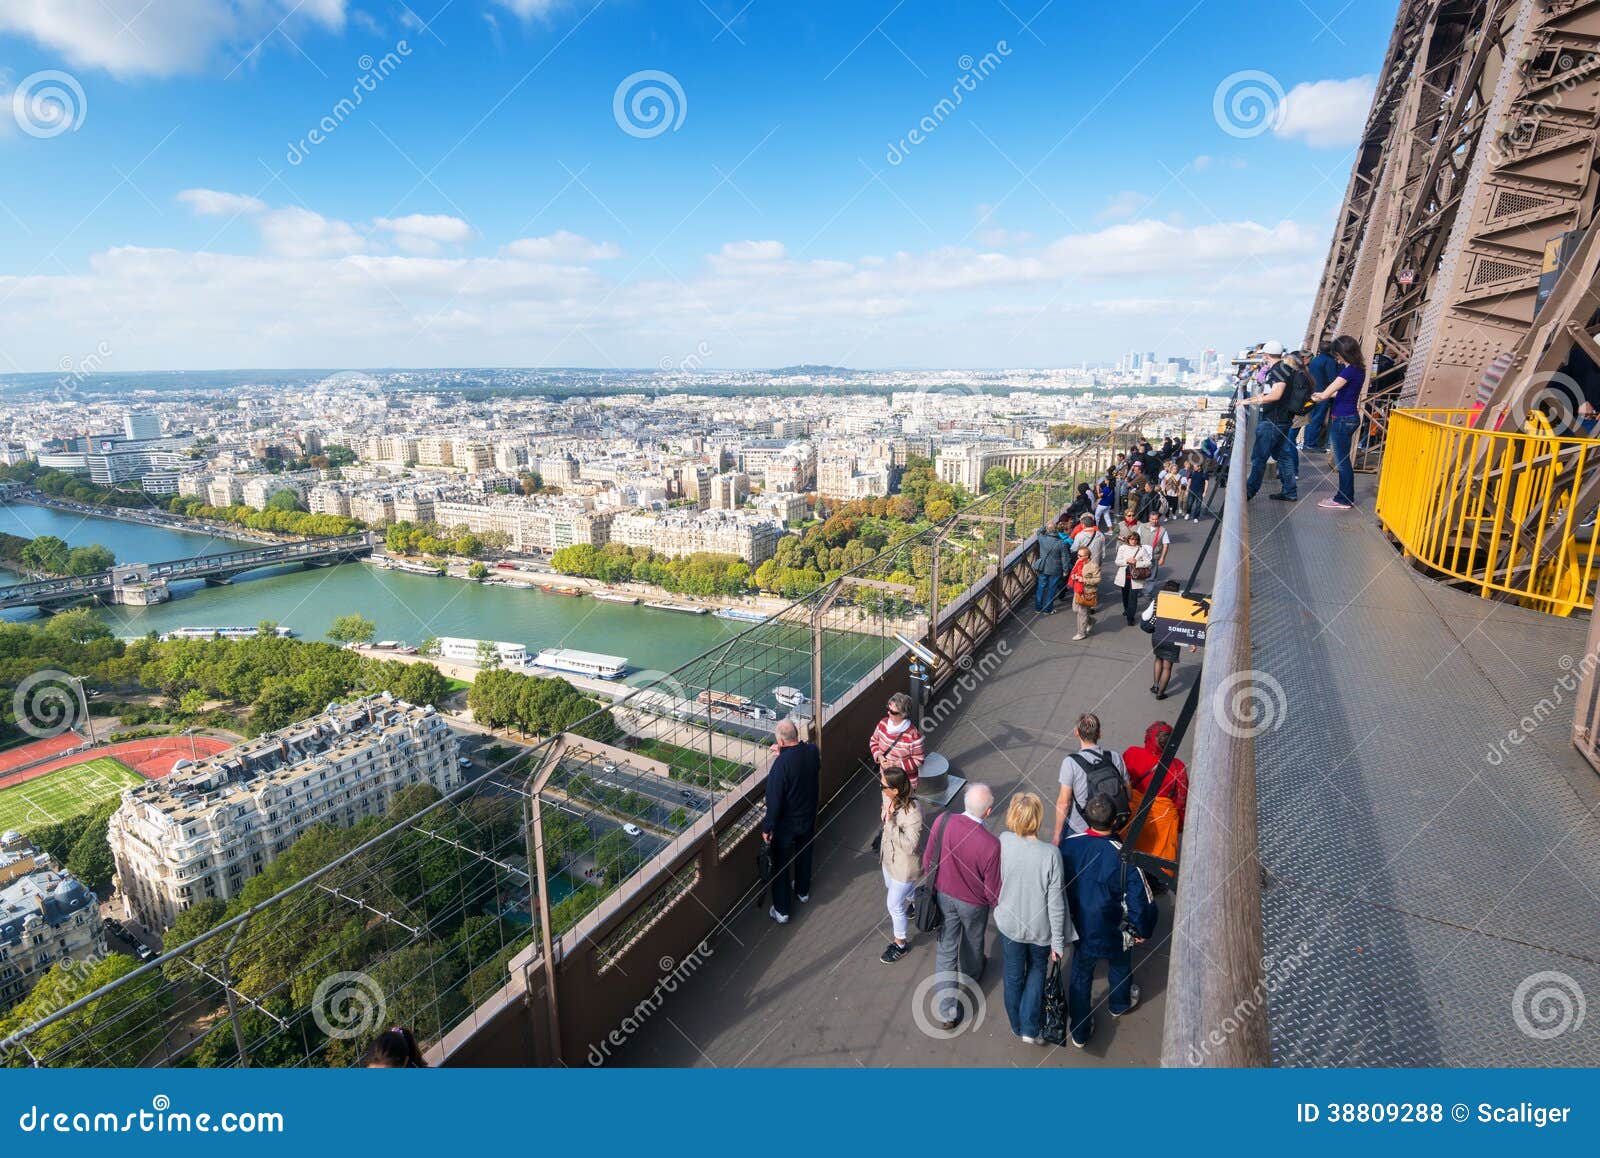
(152, 758)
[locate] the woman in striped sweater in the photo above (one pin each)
(896, 743)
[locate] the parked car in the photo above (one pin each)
(633, 830)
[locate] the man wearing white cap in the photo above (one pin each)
(1274, 429)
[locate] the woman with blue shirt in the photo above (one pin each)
(1343, 416)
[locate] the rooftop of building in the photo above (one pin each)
(44, 893)
(195, 789)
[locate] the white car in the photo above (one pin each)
(633, 830)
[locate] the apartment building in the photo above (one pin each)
(752, 537)
(208, 827)
(46, 916)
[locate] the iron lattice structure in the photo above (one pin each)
(1478, 154)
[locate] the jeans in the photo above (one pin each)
(790, 849)
(1044, 592)
(1272, 441)
(959, 952)
(899, 897)
(1340, 432)
(1102, 516)
(1025, 972)
(1130, 603)
(1080, 1011)
(1316, 431)
(1197, 500)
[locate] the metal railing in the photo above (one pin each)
(1510, 514)
(1216, 990)
(638, 818)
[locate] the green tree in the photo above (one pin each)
(123, 1028)
(478, 571)
(284, 500)
(88, 560)
(352, 628)
(488, 655)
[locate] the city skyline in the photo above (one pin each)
(227, 185)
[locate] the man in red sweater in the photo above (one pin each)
(968, 882)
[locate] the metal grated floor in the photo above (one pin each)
(1423, 869)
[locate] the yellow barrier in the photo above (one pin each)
(1493, 508)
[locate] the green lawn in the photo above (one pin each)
(63, 793)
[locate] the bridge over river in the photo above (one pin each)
(144, 583)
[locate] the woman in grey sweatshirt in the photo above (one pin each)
(1031, 914)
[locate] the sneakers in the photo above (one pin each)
(1079, 636)
(1076, 1044)
(1280, 497)
(894, 952)
(803, 898)
(1335, 505)
(1133, 1003)
(1026, 1040)
(777, 916)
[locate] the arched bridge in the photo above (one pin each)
(147, 582)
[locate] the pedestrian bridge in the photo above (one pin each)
(116, 584)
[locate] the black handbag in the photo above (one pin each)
(926, 895)
(1055, 1007)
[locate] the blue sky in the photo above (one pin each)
(164, 202)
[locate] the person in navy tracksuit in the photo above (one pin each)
(1095, 897)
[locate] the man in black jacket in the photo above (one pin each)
(790, 826)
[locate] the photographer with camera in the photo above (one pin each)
(1113, 910)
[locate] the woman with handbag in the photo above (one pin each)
(1133, 569)
(897, 852)
(1031, 915)
(896, 742)
(1085, 585)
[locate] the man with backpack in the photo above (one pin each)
(1287, 397)
(1090, 771)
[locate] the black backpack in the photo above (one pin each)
(1297, 401)
(1104, 780)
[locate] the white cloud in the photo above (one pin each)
(136, 37)
(530, 9)
(1122, 206)
(300, 233)
(1326, 113)
(1003, 238)
(425, 233)
(742, 253)
(213, 203)
(562, 246)
(317, 294)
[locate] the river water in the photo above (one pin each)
(405, 606)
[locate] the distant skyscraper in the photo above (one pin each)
(141, 424)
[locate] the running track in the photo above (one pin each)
(152, 758)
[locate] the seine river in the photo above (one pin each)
(404, 606)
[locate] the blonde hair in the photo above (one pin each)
(1024, 814)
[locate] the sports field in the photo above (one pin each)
(64, 792)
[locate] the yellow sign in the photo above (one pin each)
(1179, 619)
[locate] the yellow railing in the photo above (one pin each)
(1496, 509)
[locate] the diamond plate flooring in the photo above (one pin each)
(1434, 881)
